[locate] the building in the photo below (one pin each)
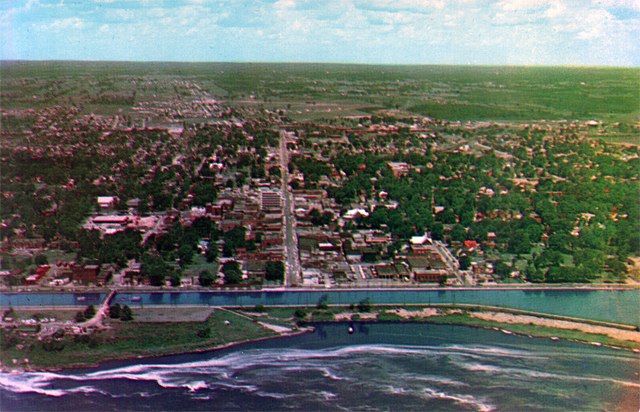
(427, 268)
(270, 200)
(398, 168)
(86, 274)
(107, 202)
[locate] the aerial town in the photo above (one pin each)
(156, 182)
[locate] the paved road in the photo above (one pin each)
(292, 274)
(449, 260)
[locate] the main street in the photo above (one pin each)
(292, 257)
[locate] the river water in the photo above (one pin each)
(381, 366)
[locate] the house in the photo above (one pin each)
(107, 202)
(398, 168)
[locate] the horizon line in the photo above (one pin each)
(522, 65)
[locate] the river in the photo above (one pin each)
(382, 366)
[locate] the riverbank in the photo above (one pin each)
(506, 320)
(155, 332)
(169, 331)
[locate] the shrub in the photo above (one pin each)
(126, 314)
(364, 305)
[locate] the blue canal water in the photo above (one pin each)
(382, 366)
(621, 306)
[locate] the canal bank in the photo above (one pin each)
(602, 304)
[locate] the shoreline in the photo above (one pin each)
(300, 331)
(508, 321)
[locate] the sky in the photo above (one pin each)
(513, 32)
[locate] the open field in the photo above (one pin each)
(122, 340)
(496, 93)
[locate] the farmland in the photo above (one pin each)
(455, 93)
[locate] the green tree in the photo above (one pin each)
(79, 317)
(89, 312)
(437, 231)
(41, 259)
(114, 311)
(501, 269)
(364, 305)
(185, 255)
(126, 314)
(465, 262)
(274, 271)
(323, 302)
(206, 278)
(232, 273)
(458, 233)
(155, 269)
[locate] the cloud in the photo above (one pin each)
(66, 23)
(518, 5)
(623, 4)
(556, 9)
(596, 24)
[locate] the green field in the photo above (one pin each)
(456, 93)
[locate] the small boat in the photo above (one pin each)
(81, 298)
(350, 330)
(136, 299)
(596, 343)
(555, 338)
(506, 332)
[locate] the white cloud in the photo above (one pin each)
(556, 9)
(66, 23)
(285, 4)
(517, 5)
(596, 23)
(624, 4)
(408, 4)
(121, 14)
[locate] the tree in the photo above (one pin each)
(275, 271)
(458, 234)
(323, 302)
(185, 255)
(90, 312)
(79, 317)
(437, 231)
(212, 253)
(176, 280)
(206, 278)
(154, 268)
(41, 259)
(519, 243)
(114, 311)
(533, 275)
(465, 262)
(126, 314)
(501, 269)
(300, 313)
(364, 305)
(232, 273)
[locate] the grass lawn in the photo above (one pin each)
(131, 339)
